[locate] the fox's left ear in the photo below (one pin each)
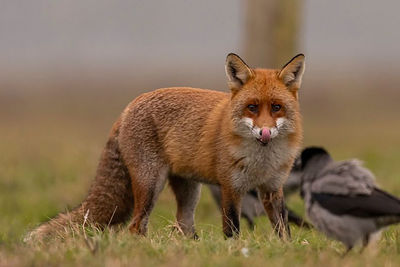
(237, 71)
(292, 73)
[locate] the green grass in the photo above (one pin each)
(48, 161)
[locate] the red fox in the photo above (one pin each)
(241, 140)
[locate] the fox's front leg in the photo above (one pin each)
(230, 211)
(274, 205)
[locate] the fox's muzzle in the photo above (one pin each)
(265, 135)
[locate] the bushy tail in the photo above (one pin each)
(109, 201)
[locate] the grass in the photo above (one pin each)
(49, 157)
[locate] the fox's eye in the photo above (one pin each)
(253, 108)
(275, 107)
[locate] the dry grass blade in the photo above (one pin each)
(93, 245)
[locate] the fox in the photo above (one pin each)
(240, 140)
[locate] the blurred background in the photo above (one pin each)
(68, 68)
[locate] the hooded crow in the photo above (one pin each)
(342, 199)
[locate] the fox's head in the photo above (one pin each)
(264, 101)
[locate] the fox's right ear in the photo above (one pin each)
(237, 71)
(292, 73)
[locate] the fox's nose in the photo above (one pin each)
(265, 134)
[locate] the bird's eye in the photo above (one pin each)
(253, 108)
(275, 107)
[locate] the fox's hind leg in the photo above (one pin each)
(143, 155)
(187, 194)
(147, 183)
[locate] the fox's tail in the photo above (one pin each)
(109, 201)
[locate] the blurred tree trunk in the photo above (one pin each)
(271, 31)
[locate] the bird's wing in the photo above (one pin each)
(344, 178)
(376, 204)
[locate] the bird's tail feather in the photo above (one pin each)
(387, 220)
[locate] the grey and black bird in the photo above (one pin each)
(342, 199)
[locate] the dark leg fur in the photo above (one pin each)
(230, 213)
(274, 205)
(187, 194)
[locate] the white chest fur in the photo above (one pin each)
(261, 165)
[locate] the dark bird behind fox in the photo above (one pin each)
(342, 199)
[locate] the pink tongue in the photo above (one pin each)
(265, 135)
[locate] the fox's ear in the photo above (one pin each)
(292, 72)
(237, 71)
